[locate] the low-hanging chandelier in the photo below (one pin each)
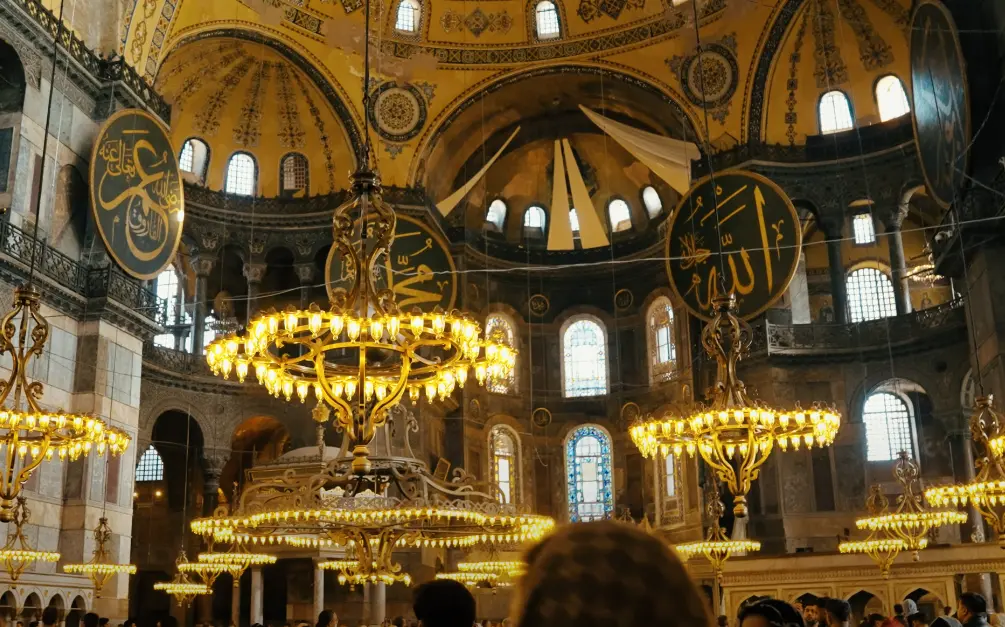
(734, 434)
(101, 568)
(882, 546)
(29, 434)
(912, 521)
(488, 574)
(17, 554)
(986, 492)
(717, 547)
(182, 588)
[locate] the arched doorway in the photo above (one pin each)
(57, 602)
(32, 608)
(928, 604)
(8, 607)
(864, 603)
(77, 610)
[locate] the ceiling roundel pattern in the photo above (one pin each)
(397, 113)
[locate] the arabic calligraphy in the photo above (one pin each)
(418, 268)
(755, 239)
(136, 193)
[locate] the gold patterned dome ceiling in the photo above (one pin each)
(241, 96)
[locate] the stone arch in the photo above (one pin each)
(31, 607)
(15, 81)
(153, 411)
(864, 602)
(8, 605)
(257, 439)
(59, 603)
(78, 607)
(928, 600)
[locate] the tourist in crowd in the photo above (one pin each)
(444, 603)
(50, 616)
(809, 611)
(838, 613)
(770, 613)
(947, 615)
(399, 621)
(918, 619)
(972, 610)
(820, 609)
(898, 614)
(606, 574)
(327, 618)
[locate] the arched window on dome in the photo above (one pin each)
(407, 20)
(662, 343)
(496, 214)
(584, 357)
(546, 17)
(504, 460)
(499, 328)
(891, 98)
(194, 158)
(293, 181)
(888, 422)
(835, 113)
(574, 221)
(870, 295)
(150, 467)
(620, 215)
(651, 199)
(534, 220)
(169, 289)
(242, 175)
(589, 474)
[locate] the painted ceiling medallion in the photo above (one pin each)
(709, 77)
(592, 9)
(397, 112)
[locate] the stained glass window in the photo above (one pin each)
(504, 443)
(651, 199)
(150, 466)
(887, 421)
(588, 472)
(870, 295)
(891, 98)
(242, 175)
(408, 16)
(835, 113)
(496, 214)
(863, 229)
(662, 344)
(500, 329)
(584, 346)
(547, 20)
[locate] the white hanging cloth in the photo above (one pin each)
(448, 204)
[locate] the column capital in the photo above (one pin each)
(306, 272)
(213, 462)
(894, 218)
(254, 272)
(203, 265)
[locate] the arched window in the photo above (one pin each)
(169, 290)
(835, 113)
(150, 466)
(662, 344)
(651, 199)
(891, 98)
(546, 15)
(864, 229)
(242, 175)
(588, 468)
(671, 477)
(408, 16)
(620, 215)
(293, 175)
(533, 221)
(500, 329)
(496, 215)
(584, 357)
(574, 221)
(194, 158)
(887, 419)
(870, 295)
(504, 444)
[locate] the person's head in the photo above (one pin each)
(947, 611)
(50, 616)
(444, 603)
(838, 612)
(722, 620)
(770, 613)
(809, 609)
(327, 618)
(33, 623)
(103, 622)
(942, 622)
(898, 609)
(399, 621)
(917, 619)
(971, 605)
(90, 619)
(606, 573)
(875, 620)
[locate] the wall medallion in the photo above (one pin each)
(623, 299)
(740, 234)
(397, 112)
(941, 105)
(137, 199)
(630, 412)
(709, 77)
(539, 305)
(418, 268)
(541, 417)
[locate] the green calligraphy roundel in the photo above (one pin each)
(418, 268)
(137, 199)
(735, 231)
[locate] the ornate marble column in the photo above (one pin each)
(213, 463)
(378, 603)
(839, 290)
(305, 272)
(254, 273)
(202, 266)
(257, 591)
(898, 264)
(319, 590)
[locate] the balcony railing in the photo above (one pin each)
(915, 331)
(175, 361)
(108, 282)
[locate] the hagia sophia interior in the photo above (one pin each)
(276, 410)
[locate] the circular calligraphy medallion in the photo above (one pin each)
(397, 112)
(539, 304)
(941, 106)
(623, 299)
(541, 417)
(137, 198)
(743, 225)
(418, 267)
(630, 412)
